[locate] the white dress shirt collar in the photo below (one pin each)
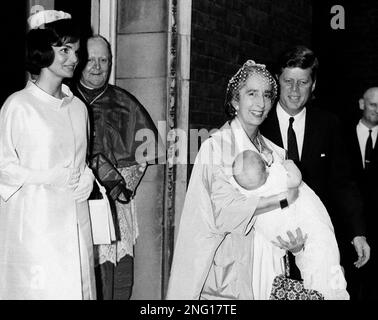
(283, 115)
(364, 127)
(362, 135)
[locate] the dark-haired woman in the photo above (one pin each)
(217, 254)
(45, 239)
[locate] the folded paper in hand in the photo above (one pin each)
(101, 219)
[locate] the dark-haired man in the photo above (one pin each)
(313, 139)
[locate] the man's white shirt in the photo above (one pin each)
(363, 134)
(298, 126)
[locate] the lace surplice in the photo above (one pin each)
(128, 224)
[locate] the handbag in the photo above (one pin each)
(102, 224)
(111, 178)
(284, 288)
(108, 175)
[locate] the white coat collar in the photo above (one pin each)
(49, 99)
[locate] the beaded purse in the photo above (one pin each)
(285, 288)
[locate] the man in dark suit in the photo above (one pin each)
(313, 139)
(363, 152)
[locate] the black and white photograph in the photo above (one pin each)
(171, 151)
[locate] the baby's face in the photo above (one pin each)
(253, 174)
(257, 176)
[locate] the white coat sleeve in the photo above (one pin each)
(12, 174)
(233, 211)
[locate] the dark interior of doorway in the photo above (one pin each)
(80, 12)
(12, 54)
(13, 23)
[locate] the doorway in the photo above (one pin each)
(80, 12)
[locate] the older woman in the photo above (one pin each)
(45, 238)
(215, 253)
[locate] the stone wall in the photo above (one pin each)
(141, 68)
(225, 33)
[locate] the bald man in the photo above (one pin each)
(363, 282)
(116, 117)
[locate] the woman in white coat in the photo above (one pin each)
(45, 238)
(217, 255)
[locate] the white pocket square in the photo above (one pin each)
(322, 155)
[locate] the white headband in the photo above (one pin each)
(38, 20)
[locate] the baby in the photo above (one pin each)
(319, 262)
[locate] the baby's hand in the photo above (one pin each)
(295, 244)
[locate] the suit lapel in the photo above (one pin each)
(313, 138)
(309, 137)
(375, 151)
(313, 128)
(356, 151)
(271, 128)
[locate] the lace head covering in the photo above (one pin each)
(239, 79)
